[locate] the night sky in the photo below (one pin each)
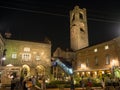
(33, 20)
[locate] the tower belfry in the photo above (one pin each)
(78, 29)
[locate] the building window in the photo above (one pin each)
(87, 62)
(106, 47)
(37, 57)
(79, 64)
(95, 50)
(96, 60)
(107, 59)
(81, 16)
(14, 55)
(26, 49)
(26, 56)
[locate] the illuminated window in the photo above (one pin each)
(37, 57)
(95, 50)
(27, 49)
(26, 56)
(14, 55)
(83, 66)
(107, 59)
(106, 47)
(96, 60)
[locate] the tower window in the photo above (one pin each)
(74, 25)
(81, 16)
(81, 30)
(73, 17)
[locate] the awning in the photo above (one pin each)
(89, 70)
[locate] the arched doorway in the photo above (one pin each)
(40, 71)
(25, 71)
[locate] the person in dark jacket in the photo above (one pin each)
(24, 84)
(13, 84)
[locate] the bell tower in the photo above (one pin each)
(78, 28)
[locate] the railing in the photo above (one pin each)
(64, 67)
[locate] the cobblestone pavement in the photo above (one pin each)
(93, 88)
(8, 88)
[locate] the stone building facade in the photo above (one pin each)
(26, 59)
(98, 59)
(94, 60)
(89, 60)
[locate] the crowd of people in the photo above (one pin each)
(27, 83)
(104, 83)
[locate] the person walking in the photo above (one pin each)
(82, 84)
(13, 84)
(33, 80)
(24, 84)
(29, 84)
(89, 85)
(103, 83)
(18, 85)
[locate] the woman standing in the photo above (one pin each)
(103, 83)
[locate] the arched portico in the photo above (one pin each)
(40, 70)
(25, 71)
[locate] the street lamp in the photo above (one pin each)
(3, 57)
(2, 60)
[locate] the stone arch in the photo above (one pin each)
(40, 70)
(25, 71)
